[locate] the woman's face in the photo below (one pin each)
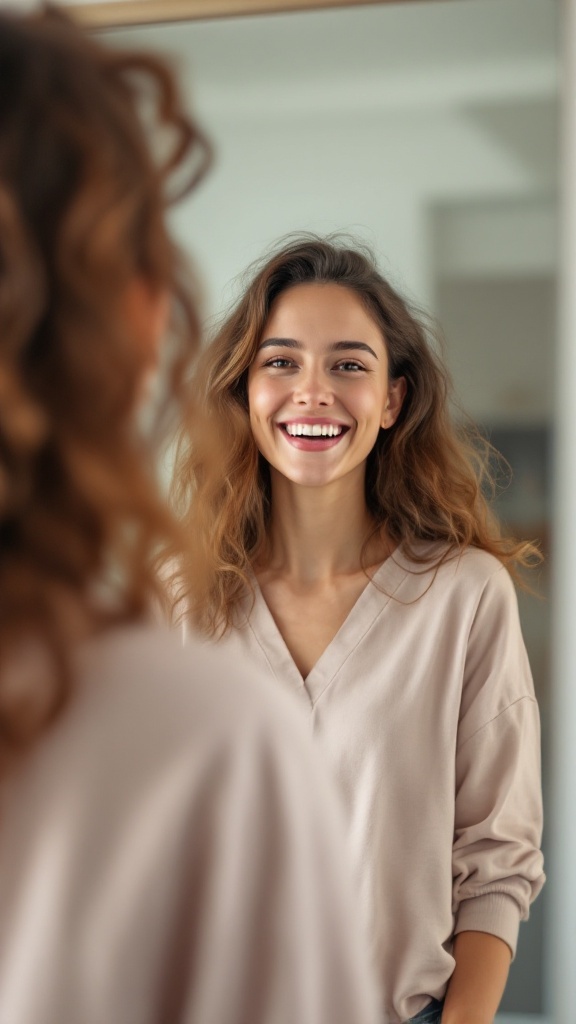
(318, 388)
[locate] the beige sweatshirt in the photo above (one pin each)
(424, 707)
(171, 853)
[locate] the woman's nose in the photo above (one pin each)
(313, 388)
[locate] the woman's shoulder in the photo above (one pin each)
(149, 665)
(147, 716)
(469, 568)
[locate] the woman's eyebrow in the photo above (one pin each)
(359, 346)
(280, 342)
(337, 346)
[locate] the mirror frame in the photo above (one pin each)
(117, 13)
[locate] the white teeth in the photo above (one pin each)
(313, 430)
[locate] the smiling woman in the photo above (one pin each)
(354, 557)
(275, 354)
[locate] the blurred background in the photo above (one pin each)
(430, 131)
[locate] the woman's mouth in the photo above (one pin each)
(313, 437)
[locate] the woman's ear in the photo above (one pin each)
(396, 394)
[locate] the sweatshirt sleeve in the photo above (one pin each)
(497, 863)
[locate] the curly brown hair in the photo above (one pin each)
(83, 195)
(426, 477)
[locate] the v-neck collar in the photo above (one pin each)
(368, 606)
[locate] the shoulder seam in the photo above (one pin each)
(525, 696)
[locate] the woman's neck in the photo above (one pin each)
(318, 533)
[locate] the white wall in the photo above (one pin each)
(427, 129)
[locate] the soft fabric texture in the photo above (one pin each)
(172, 853)
(424, 707)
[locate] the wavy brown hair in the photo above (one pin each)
(426, 477)
(82, 214)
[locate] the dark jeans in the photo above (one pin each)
(431, 1014)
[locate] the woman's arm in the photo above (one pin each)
(476, 986)
(496, 858)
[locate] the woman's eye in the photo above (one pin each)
(279, 363)
(350, 366)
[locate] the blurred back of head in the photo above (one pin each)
(91, 141)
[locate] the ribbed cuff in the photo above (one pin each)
(495, 913)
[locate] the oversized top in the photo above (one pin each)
(171, 853)
(424, 707)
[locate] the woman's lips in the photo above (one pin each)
(315, 443)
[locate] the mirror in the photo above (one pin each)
(430, 131)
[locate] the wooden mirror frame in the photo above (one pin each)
(116, 13)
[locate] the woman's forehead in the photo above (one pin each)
(321, 308)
